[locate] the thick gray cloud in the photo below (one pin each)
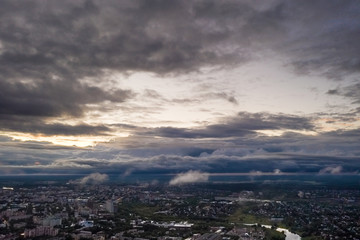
(55, 54)
(291, 152)
(242, 125)
(51, 98)
(323, 38)
(154, 95)
(89, 36)
(352, 92)
(36, 126)
(15, 153)
(46, 48)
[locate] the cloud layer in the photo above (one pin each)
(47, 50)
(171, 86)
(93, 178)
(189, 177)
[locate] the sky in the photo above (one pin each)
(205, 87)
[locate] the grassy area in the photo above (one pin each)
(241, 216)
(145, 211)
(142, 210)
(311, 238)
(271, 234)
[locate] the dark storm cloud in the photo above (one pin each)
(242, 125)
(213, 131)
(48, 47)
(136, 35)
(222, 95)
(333, 92)
(290, 163)
(197, 98)
(290, 152)
(352, 92)
(324, 36)
(52, 98)
(156, 36)
(16, 153)
(35, 126)
(348, 134)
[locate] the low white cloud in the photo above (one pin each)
(189, 177)
(128, 172)
(331, 170)
(93, 178)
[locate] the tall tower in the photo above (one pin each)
(109, 205)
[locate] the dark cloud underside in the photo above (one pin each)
(239, 126)
(352, 92)
(47, 47)
(57, 60)
(36, 127)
